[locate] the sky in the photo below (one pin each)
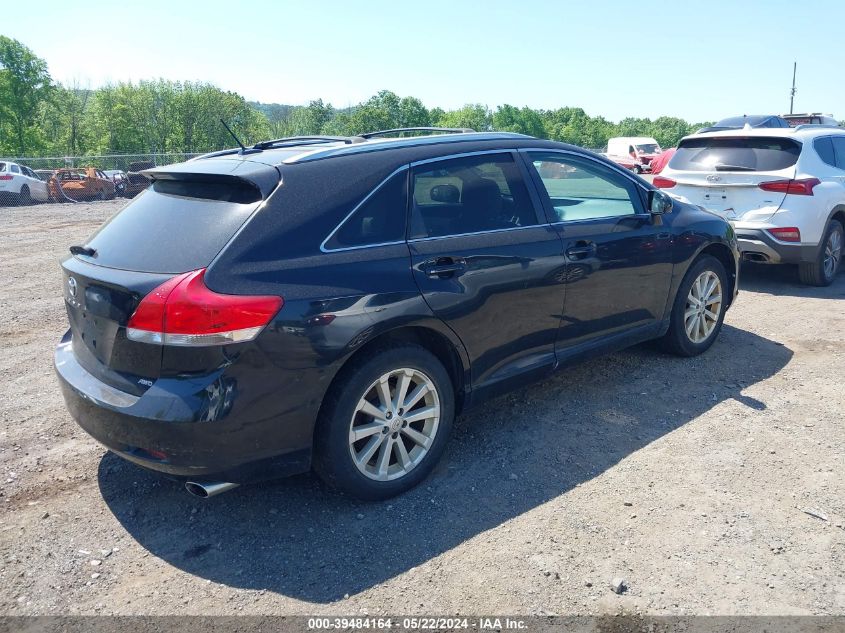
(700, 61)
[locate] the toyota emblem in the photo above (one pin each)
(714, 178)
(71, 286)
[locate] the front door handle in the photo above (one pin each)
(581, 250)
(444, 267)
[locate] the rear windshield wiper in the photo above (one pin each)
(83, 250)
(725, 167)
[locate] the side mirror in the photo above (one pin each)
(659, 202)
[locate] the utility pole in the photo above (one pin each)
(792, 92)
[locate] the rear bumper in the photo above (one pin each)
(757, 245)
(185, 428)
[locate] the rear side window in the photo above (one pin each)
(378, 219)
(736, 154)
(469, 195)
(15, 169)
(161, 231)
(824, 148)
(838, 143)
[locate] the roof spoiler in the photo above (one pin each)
(264, 178)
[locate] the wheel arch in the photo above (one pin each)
(838, 214)
(724, 254)
(449, 352)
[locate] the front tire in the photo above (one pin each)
(823, 271)
(699, 308)
(385, 424)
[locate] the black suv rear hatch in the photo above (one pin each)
(186, 217)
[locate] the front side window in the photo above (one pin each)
(580, 189)
(469, 195)
(379, 219)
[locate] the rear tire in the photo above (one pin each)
(391, 454)
(699, 308)
(823, 271)
(24, 198)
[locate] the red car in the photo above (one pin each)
(662, 160)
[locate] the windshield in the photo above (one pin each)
(648, 148)
(736, 154)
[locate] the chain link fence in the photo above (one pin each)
(122, 162)
(79, 178)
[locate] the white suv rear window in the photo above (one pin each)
(736, 154)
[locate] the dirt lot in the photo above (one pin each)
(692, 479)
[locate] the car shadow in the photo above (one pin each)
(781, 281)
(506, 457)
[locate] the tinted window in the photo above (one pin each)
(824, 148)
(165, 233)
(469, 195)
(743, 154)
(583, 190)
(839, 150)
(379, 219)
(2, 166)
(15, 169)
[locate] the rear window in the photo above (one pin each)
(170, 228)
(736, 154)
(2, 166)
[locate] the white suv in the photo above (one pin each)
(19, 184)
(783, 190)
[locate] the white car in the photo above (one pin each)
(783, 190)
(21, 185)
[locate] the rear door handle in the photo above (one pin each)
(444, 267)
(581, 250)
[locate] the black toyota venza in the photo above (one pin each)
(335, 302)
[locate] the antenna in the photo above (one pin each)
(238, 141)
(792, 92)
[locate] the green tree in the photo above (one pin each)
(412, 113)
(24, 85)
(508, 118)
(473, 115)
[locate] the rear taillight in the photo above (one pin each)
(5, 176)
(184, 311)
(661, 182)
(802, 187)
(786, 234)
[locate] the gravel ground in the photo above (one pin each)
(712, 485)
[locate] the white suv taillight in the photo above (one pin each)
(800, 187)
(184, 311)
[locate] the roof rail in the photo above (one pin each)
(814, 126)
(292, 141)
(444, 130)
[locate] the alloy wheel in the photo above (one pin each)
(704, 305)
(394, 424)
(832, 253)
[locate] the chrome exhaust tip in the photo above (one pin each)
(206, 490)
